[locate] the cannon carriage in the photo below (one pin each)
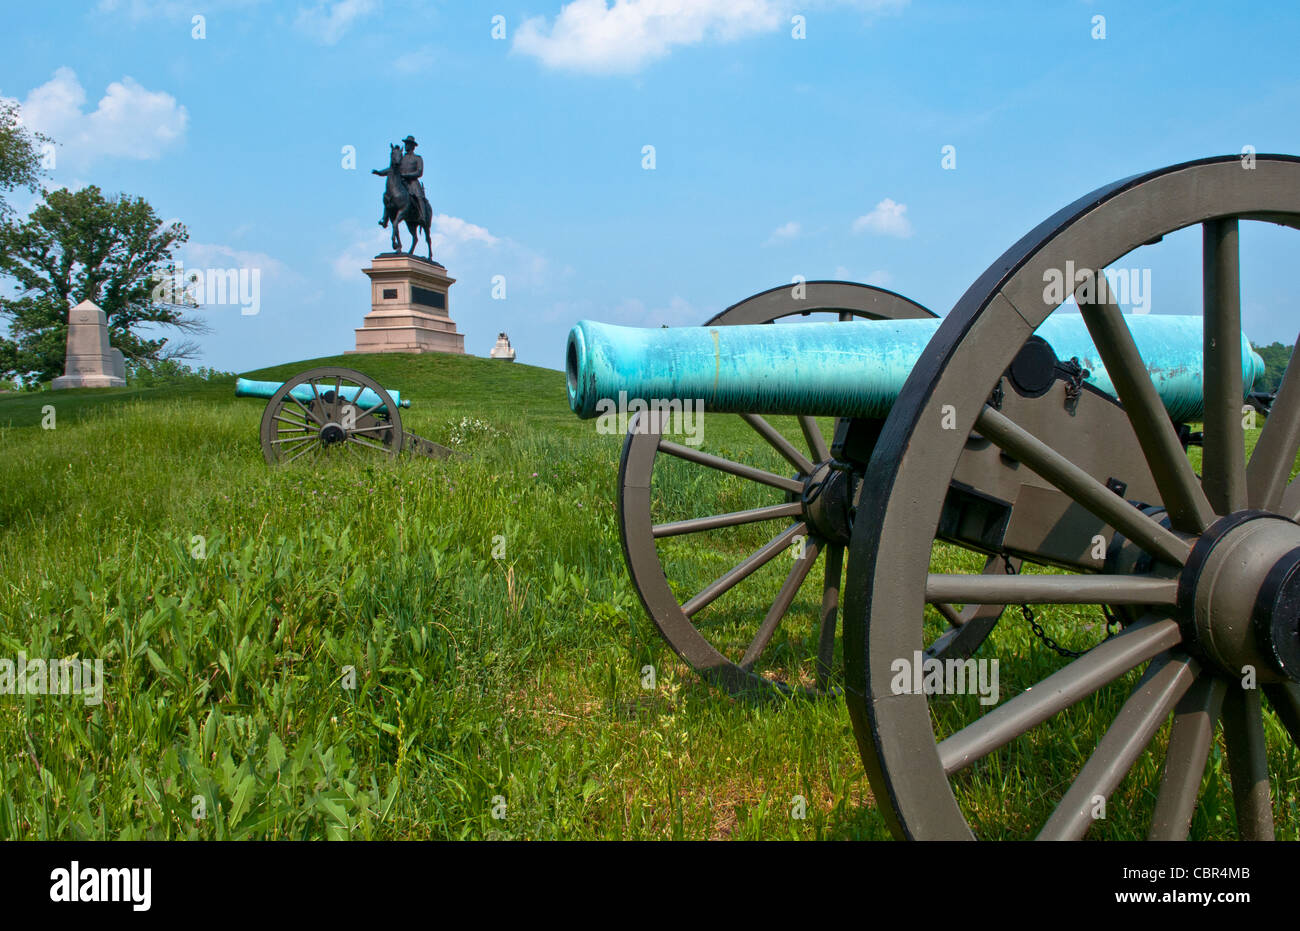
(1066, 464)
(333, 412)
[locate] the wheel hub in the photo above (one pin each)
(1239, 596)
(828, 503)
(332, 433)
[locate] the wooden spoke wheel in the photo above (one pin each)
(1204, 580)
(330, 412)
(796, 508)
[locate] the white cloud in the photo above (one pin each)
(327, 21)
(593, 36)
(633, 312)
(784, 233)
(129, 121)
(887, 218)
(453, 239)
(197, 255)
(141, 10)
(415, 62)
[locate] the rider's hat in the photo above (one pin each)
(411, 140)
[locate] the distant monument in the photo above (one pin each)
(90, 362)
(408, 295)
(503, 349)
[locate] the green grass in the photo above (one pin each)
(477, 679)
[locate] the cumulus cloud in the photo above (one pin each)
(594, 36)
(201, 255)
(327, 21)
(146, 10)
(129, 121)
(784, 232)
(887, 218)
(634, 312)
(454, 239)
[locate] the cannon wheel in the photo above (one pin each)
(1183, 610)
(327, 424)
(639, 532)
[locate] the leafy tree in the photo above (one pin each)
(20, 154)
(1275, 356)
(79, 246)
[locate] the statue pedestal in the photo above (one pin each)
(90, 361)
(408, 307)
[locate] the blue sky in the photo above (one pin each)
(774, 156)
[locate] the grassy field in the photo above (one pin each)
(312, 653)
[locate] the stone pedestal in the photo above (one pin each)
(409, 309)
(503, 350)
(90, 361)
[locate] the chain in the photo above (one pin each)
(1037, 628)
(1073, 373)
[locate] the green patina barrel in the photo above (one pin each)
(853, 369)
(246, 388)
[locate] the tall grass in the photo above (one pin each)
(420, 648)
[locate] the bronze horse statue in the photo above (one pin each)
(399, 207)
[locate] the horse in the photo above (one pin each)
(399, 207)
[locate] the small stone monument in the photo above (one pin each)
(408, 307)
(90, 362)
(503, 349)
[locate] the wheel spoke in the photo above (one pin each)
(297, 424)
(834, 569)
(378, 426)
(1285, 701)
(697, 524)
(732, 468)
(812, 434)
(744, 569)
(1271, 462)
(1101, 665)
(307, 411)
(306, 449)
(1190, 740)
(1243, 732)
(1050, 589)
(779, 443)
(293, 439)
(1223, 461)
(1180, 489)
(1291, 501)
(367, 443)
(1166, 680)
(784, 598)
(1020, 444)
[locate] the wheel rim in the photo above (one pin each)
(312, 417)
(806, 454)
(890, 553)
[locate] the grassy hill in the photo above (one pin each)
(339, 652)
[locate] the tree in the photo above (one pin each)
(79, 246)
(20, 154)
(1275, 356)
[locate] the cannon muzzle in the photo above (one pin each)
(852, 369)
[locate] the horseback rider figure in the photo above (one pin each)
(404, 198)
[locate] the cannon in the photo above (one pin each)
(333, 411)
(1077, 467)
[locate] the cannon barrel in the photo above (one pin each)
(851, 369)
(247, 388)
